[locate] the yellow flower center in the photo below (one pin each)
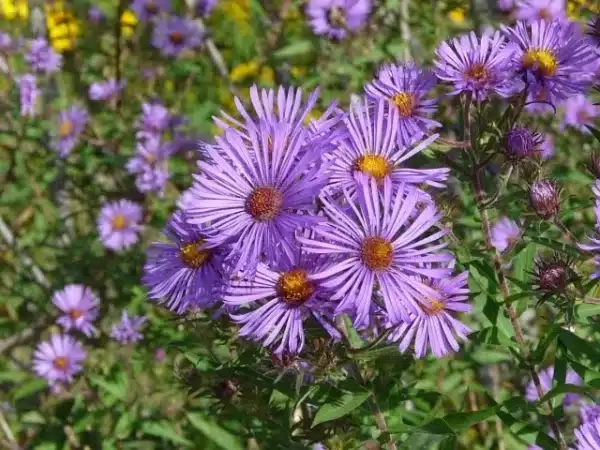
(119, 222)
(193, 255)
(294, 287)
(336, 17)
(61, 363)
(75, 313)
(176, 38)
(543, 61)
(376, 253)
(264, 203)
(477, 72)
(374, 165)
(434, 308)
(65, 128)
(405, 103)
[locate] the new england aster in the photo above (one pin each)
(504, 234)
(28, 95)
(128, 329)
(42, 58)
(58, 359)
(379, 239)
(531, 10)
(80, 308)
(334, 18)
(71, 124)
(173, 35)
(407, 87)
(149, 9)
(546, 377)
(587, 435)
(149, 164)
(119, 224)
(370, 148)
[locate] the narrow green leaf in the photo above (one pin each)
(344, 405)
(214, 432)
(165, 431)
(587, 310)
(296, 48)
(28, 388)
(567, 388)
(117, 390)
(463, 420)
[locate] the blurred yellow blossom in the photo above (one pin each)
(298, 72)
(128, 22)
(457, 15)
(244, 70)
(238, 10)
(267, 75)
(63, 28)
(14, 9)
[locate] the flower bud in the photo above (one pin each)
(553, 274)
(521, 143)
(544, 196)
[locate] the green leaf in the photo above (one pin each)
(214, 432)
(117, 390)
(28, 388)
(586, 310)
(296, 48)
(578, 347)
(124, 425)
(595, 132)
(165, 431)
(462, 420)
(344, 405)
(565, 389)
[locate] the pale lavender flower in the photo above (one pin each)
(128, 329)
(6, 43)
(532, 10)
(149, 9)
(149, 164)
(506, 5)
(80, 308)
(580, 111)
(379, 242)
(334, 18)
(42, 58)
(71, 124)
(175, 34)
(546, 377)
(589, 413)
(58, 359)
(587, 436)
(28, 93)
(546, 149)
(407, 87)
(505, 233)
(479, 66)
(119, 224)
(105, 90)
(204, 8)
(154, 120)
(95, 15)
(160, 354)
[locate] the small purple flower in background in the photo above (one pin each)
(407, 87)
(334, 18)
(119, 224)
(531, 10)
(479, 66)
(587, 436)
(6, 43)
(155, 119)
(549, 56)
(204, 8)
(579, 112)
(105, 90)
(589, 413)
(521, 142)
(28, 93)
(370, 148)
(185, 272)
(379, 246)
(436, 329)
(71, 124)
(58, 359)
(160, 354)
(544, 196)
(149, 164)
(148, 9)
(128, 329)
(80, 306)
(506, 6)
(546, 149)
(95, 15)
(505, 233)
(546, 378)
(176, 34)
(42, 58)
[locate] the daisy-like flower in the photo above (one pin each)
(105, 90)
(71, 124)
(407, 87)
(203, 8)
(80, 308)
(281, 298)
(173, 35)
(371, 149)
(546, 377)
(154, 120)
(149, 164)
(334, 18)
(436, 329)
(380, 239)
(185, 272)
(119, 224)
(505, 233)
(42, 58)
(58, 359)
(580, 112)
(479, 66)
(531, 10)
(587, 436)
(6, 43)
(128, 329)
(149, 9)
(549, 57)
(28, 93)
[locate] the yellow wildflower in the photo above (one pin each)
(238, 10)
(14, 9)
(128, 22)
(63, 28)
(267, 75)
(457, 15)
(244, 70)
(298, 72)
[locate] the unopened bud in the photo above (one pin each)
(521, 143)
(544, 196)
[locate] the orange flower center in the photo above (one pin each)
(434, 308)
(294, 287)
(65, 128)
(374, 165)
(176, 38)
(193, 255)
(405, 103)
(376, 253)
(477, 72)
(119, 222)
(542, 61)
(545, 14)
(61, 363)
(75, 313)
(264, 203)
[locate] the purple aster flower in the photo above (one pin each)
(260, 183)
(437, 329)
(95, 15)
(546, 149)
(128, 329)
(532, 10)
(29, 93)
(42, 58)
(580, 112)
(280, 299)
(587, 436)
(80, 308)
(478, 66)
(546, 377)
(550, 56)
(520, 142)
(334, 18)
(148, 9)
(155, 119)
(71, 124)
(176, 34)
(534, 447)
(119, 224)
(589, 413)
(506, 5)
(149, 164)
(380, 239)
(505, 233)
(6, 43)
(185, 272)
(105, 90)
(370, 148)
(407, 87)
(58, 359)
(203, 8)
